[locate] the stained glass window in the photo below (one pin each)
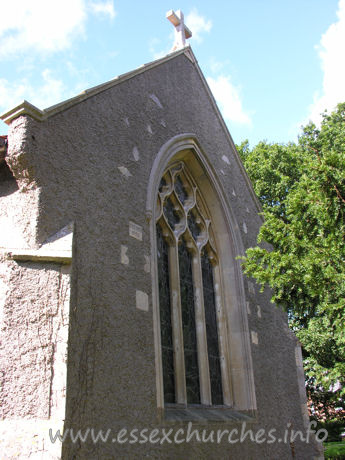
(180, 189)
(165, 316)
(188, 324)
(211, 329)
(162, 184)
(193, 225)
(190, 347)
(170, 213)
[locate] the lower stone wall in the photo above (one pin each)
(34, 306)
(26, 439)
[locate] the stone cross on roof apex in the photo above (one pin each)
(181, 30)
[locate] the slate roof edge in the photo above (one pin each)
(26, 108)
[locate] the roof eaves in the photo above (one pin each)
(25, 108)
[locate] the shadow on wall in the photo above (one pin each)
(8, 183)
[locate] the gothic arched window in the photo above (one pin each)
(193, 332)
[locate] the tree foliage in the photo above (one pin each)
(302, 190)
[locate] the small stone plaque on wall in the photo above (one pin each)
(135, 231)
(142, 300)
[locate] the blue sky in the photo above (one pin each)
(271, 64)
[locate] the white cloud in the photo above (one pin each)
(331, 53)
(11, 94)
(49, 93)
(45, 26)
(228, 99)
(156, 43)
(198, 25)
(216, 66)
(40, 25)
(104, 7)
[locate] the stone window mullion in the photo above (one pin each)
(205, 385)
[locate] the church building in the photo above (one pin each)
(126, 321)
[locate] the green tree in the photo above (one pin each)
(302, 190)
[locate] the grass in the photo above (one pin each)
(335, 450)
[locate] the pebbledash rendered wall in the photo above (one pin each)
(84, 167)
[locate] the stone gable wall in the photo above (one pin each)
(91, 164)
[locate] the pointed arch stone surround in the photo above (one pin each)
(185, 148)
